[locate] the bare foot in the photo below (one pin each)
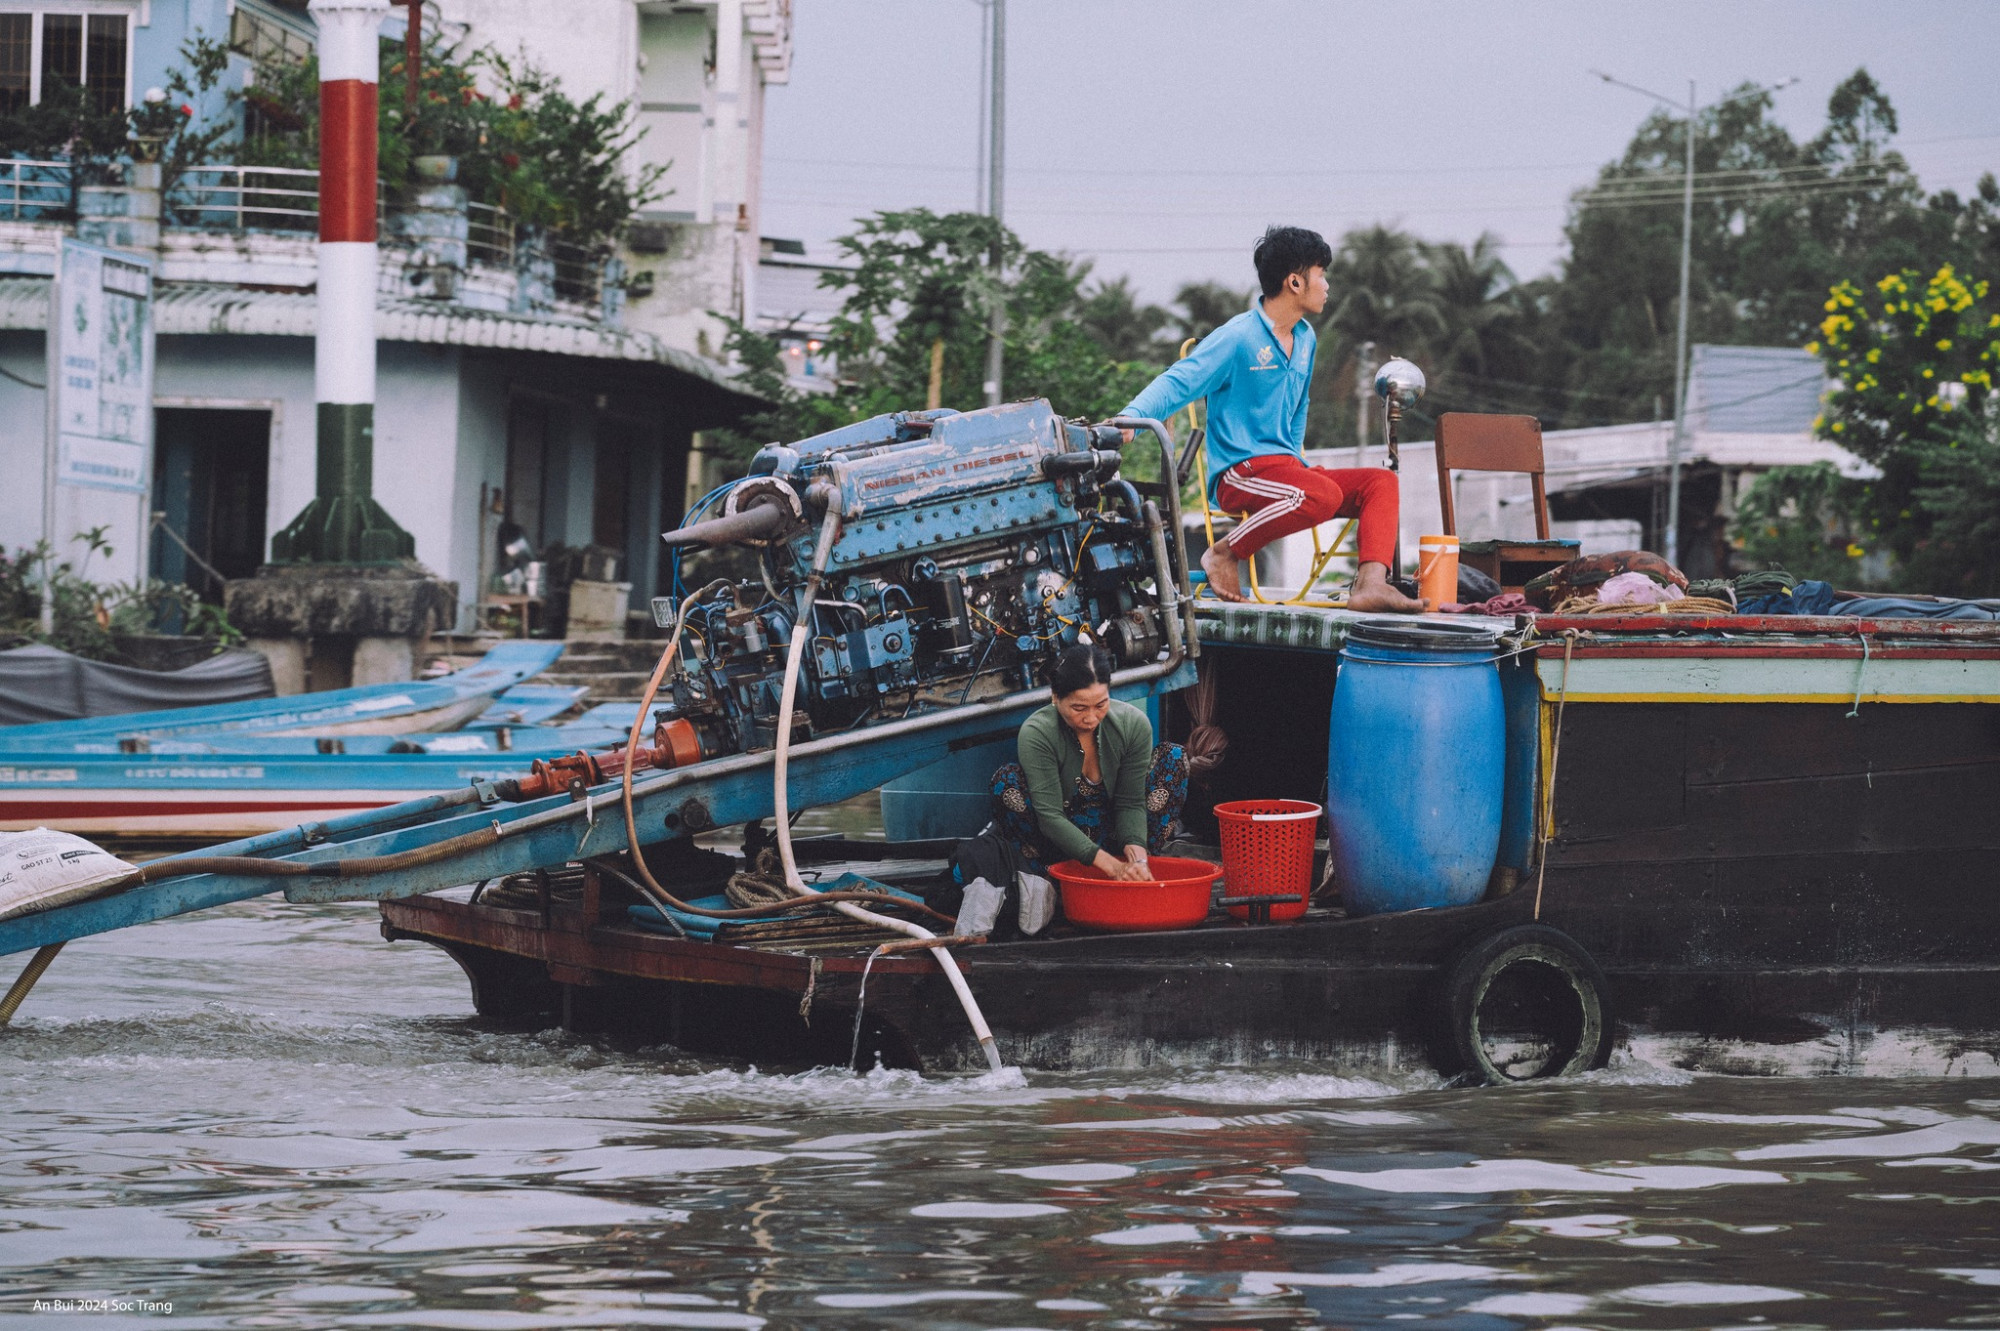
(1373, 593)
(1220, 564)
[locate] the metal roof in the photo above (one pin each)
(197, 308)
(1753, 390)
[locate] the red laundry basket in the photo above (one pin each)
(1267, 850)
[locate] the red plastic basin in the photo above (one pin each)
(1177, 898)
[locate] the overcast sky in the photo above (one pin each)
(1160, 136)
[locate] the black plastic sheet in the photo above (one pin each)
(41, 683)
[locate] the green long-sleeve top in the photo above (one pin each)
(1052, 760)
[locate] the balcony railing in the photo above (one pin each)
(34, 191)
(285, 201)
(245, 198)
(490, 233)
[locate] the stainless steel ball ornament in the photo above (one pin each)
(1399, 382)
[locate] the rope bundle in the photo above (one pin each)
(761, 885)
(1687, 605)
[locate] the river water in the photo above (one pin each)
(265, 1116)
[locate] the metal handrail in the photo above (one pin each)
(490, 232)
(238, 198)
(579, 273)
(31, 190)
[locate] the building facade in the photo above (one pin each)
(557, 397)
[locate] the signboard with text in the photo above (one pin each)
(101, 333)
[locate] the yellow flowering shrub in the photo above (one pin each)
(1931, 345)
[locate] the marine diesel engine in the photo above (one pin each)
(967, 550)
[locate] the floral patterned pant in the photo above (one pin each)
(1089, 807)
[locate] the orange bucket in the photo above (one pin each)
(1437, 569)
(1267, 851)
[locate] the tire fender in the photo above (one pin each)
(1579, 1003)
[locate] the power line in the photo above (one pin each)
(1775, 192)
(1253, 172)
(1600, 198)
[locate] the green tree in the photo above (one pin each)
(1913, 360)
(1800, 519)
(1121, 326)
(1957, 487)
(921, 280)
(1777, 223)
(1382, 291)
(1202, 307)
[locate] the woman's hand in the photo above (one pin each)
(1127, 870)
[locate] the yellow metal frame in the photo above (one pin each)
(1322, 555)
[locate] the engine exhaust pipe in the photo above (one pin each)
(762, 521)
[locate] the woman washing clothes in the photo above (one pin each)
(1090, 785)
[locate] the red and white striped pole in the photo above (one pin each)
(344, 524)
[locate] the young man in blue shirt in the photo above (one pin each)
(1256, 372)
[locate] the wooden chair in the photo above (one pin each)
(1471, 441)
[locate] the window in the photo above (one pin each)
(104, 62)
(40, 52)
(17, 49)
(62, 50)
(265, 40)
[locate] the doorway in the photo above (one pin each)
(211, 475)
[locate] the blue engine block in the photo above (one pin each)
(972, 548)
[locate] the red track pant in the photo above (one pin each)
(1284, 495)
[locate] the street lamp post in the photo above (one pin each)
(1679, 441)
(996, 167)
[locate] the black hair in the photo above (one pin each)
(1285, 250)
(1079, 667)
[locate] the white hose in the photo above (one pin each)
(781, 799)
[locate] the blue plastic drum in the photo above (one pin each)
(1416, 764)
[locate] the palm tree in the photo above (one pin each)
(1383, 292)
(1482, 315)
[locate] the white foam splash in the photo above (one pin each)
(1076, 1173)
(1699, 1294)
(1190, 1123)
(1578, 1226)
(1384, 1277)
(984, 1210)
(1146, 1235)
(913, 1298)
(1948, 1135)
(1489, 1176)
(1841, 1120)
(1532, 1305)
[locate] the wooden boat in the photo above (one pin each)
(1736, 843)
(1771, 851)
(246, 768)
(445, 703)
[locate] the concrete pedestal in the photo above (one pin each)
(332, 625)
(288, 663)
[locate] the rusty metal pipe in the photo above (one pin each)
(1170, 469)
(761, 521)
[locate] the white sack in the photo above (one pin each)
(41, 869)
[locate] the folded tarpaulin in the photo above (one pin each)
(701, 928)
(1909, 607)
(42, 683)
(1819, 598)
(1807, 598)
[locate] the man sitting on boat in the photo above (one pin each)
(1090, 785)
(1256, 372)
